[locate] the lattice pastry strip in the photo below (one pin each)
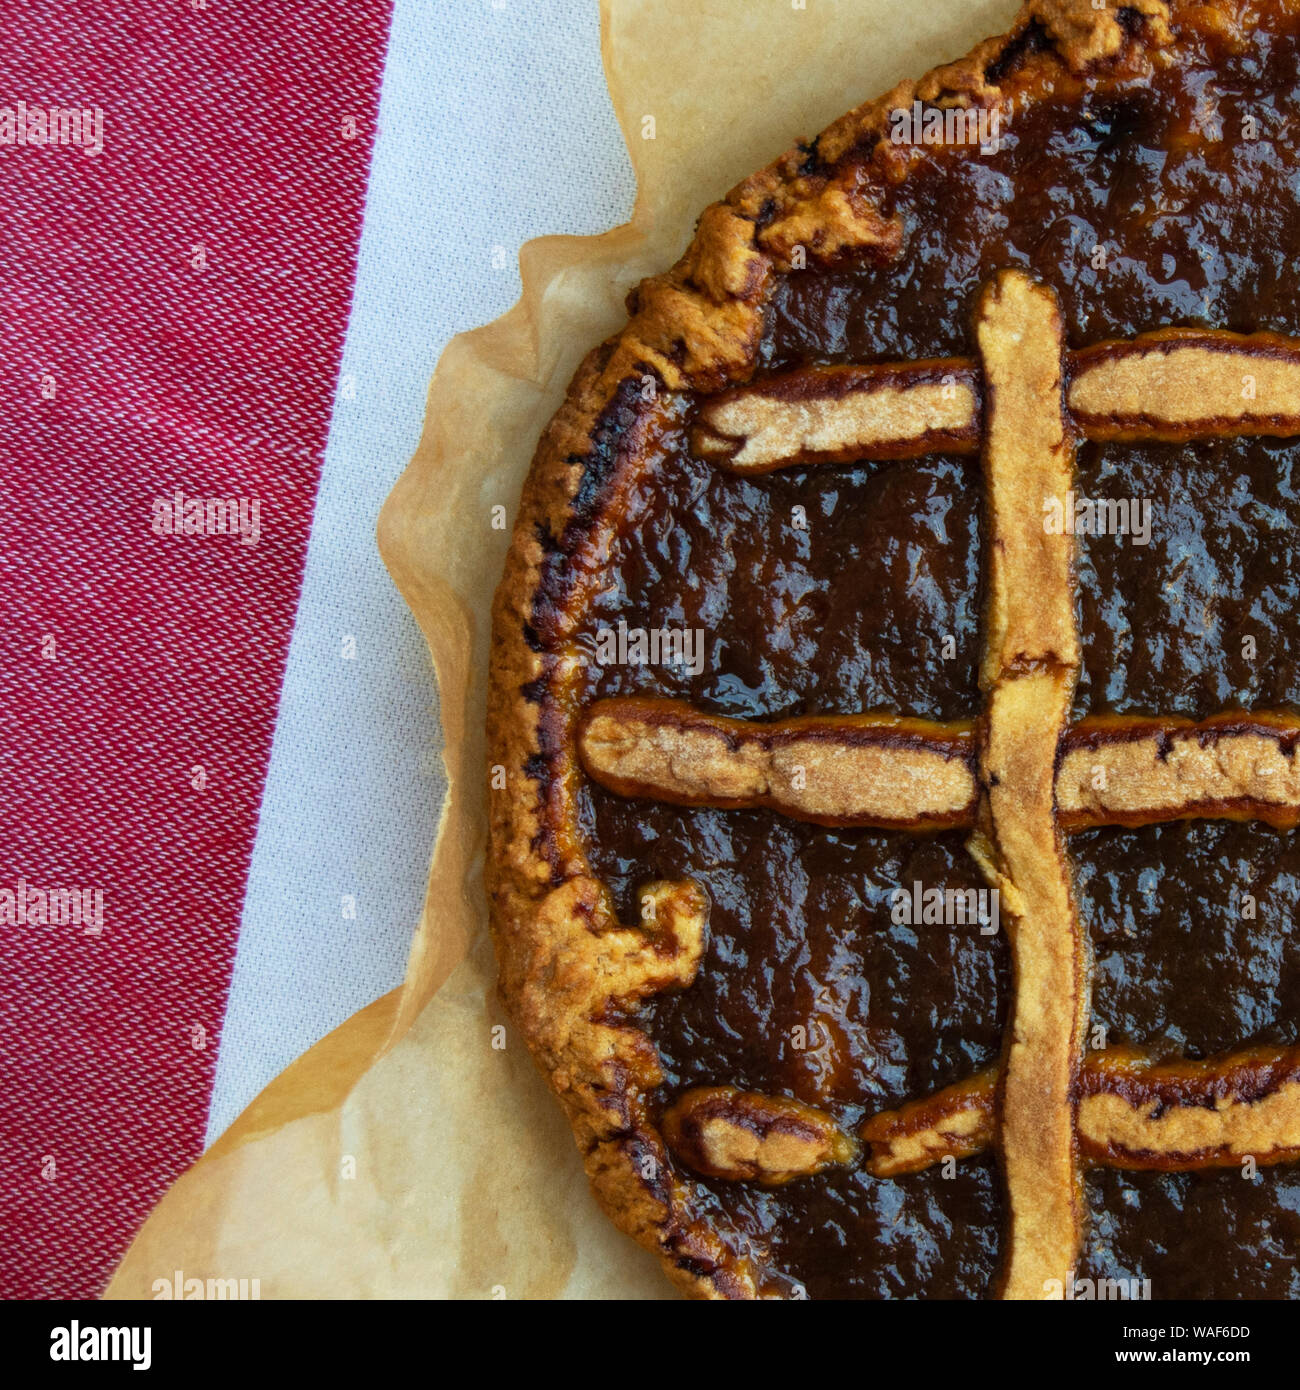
(1031, 660)
(911, 774)
(1018, 777)
(1132, 1112)
(1177, 384)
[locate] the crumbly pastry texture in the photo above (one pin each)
(571, 974)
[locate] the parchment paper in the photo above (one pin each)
(405, 1155)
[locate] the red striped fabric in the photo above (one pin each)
(173, 313)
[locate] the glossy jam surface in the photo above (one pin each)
(1177, 966)
(1208, 1235)
(849, 614)
(840, 589)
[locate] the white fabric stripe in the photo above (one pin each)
(496, 128)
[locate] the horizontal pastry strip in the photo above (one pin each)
(869, 770)
(1175, 384)
(833, 414)
(746, 1136)
(956, 1122)
(852, 770)
(1130, 1113)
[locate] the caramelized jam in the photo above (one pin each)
(809, 988)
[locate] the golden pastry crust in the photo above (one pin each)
(1031, 659)
(744, 1136)
(1133, 1112)
(570, 975)
(918, 775)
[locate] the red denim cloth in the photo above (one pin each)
(173, 316)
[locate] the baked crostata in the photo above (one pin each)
(895, 684)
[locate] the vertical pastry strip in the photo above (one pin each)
(1030, 662)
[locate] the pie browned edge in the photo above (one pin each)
(571, 974)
